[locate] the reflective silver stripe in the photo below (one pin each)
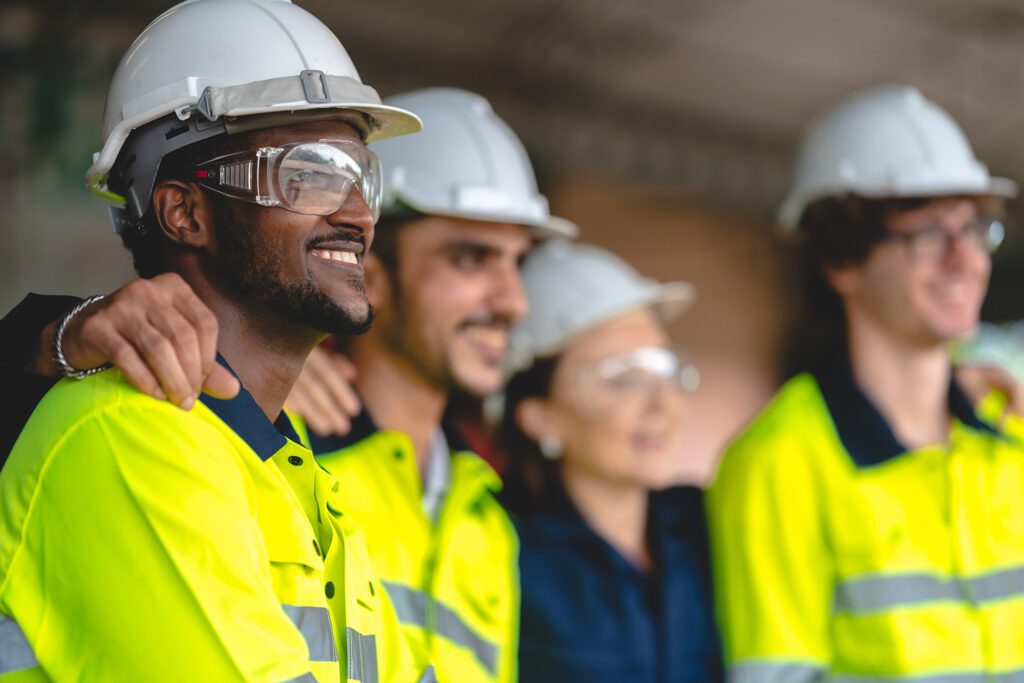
(879, 593)
(304, 678)
(1006, 677)
(15, 652)
(412, 607)
(410, 604)
(362, 656)
(428, 676)
(451, 626)
(775, 672)
(315, 625)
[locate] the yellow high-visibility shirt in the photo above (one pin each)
(140, 542)
(454, 580)
(839, 555)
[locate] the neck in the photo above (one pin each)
(908, 384)
(264, 349)
(398, 397)
(616, 513)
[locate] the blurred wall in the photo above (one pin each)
(664, 129)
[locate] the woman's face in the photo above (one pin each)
(618, 401)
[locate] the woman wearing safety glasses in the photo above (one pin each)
(614, 564)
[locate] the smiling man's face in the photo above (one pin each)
(453, 298)
(306, 268)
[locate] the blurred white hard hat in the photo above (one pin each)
(209, 61)
(572, 288)
(886, 141)
(468, 163)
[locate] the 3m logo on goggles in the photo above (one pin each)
(305, 177)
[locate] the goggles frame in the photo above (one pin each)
(303, 177)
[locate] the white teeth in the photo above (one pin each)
(490, 336)
(333, 255)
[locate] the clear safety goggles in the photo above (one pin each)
(305, 177)
(637, 376)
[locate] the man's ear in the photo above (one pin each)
(845, 280)
(376, 281)
(183, 213)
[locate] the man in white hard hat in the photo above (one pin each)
(868, 524)
(141, 542)
(461, 209)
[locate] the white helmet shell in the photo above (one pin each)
(251, 55)
(572, 287)
(467, 164)
(886, 141)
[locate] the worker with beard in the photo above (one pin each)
(461, 211)
(142, 542)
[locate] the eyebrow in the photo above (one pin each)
(465, 244)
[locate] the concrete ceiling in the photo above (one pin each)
(707, 96)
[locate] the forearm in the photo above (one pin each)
(26, 333)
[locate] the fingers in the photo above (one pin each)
(203, 324)
(220, 383)
(323, 394)
(171, 345)
(158, 333)
(978, 380)
(336, 372)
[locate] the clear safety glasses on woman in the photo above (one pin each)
(636, 376)
(305, 177)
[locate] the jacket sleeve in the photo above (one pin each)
(772, 575)
(142, 559)
(21, 327)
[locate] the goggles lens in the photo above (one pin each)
(634, 377)
(307, 177)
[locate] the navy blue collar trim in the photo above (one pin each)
(244, 416)
(677, 511)
(363, 426)
(864, 432)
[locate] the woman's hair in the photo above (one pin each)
(835, 232)
(530, 478)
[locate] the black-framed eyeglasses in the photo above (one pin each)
(935, 242)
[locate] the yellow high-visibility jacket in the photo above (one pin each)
(454, 582)
(140, 542)
(839, 555)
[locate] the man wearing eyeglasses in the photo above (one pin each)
(869, 524)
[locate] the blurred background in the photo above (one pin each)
(665, 128)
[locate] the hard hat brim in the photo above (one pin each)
(792, 208)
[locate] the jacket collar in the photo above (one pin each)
(244, 416)
(363, 426)
(863, 431)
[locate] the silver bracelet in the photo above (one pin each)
(66, 368)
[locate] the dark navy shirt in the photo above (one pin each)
(589, 615)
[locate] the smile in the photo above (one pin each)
(338, 255)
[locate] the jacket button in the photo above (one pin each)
(329, 589)
(295, 460)
(398, 455)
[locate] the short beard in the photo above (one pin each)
(400, 331)
(250, 266)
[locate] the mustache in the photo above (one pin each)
(340, 235)
(488, 320)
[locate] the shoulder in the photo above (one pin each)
(795, 418)
(102, 418)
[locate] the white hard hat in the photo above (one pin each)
(219, 60)
(886, 141)
(571, 288)
(468, 163)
